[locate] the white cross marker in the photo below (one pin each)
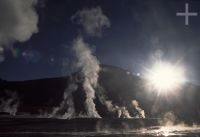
(186, 14)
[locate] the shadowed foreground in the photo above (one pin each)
(73, 125)
(87, 127)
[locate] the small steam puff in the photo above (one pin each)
(89, 66)
(92, 20)
(122, 112)
(139, 112)
(9, 105)
(18, 22)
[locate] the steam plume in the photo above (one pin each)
(18, 22)
(9, 105)
(92, 21)
(89, 66)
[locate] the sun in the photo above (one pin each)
(165, 77)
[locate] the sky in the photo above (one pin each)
(36, 36)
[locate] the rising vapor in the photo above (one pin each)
(18, 22)
(139, 112)
(122, 111)
(9, 104)
(92, 20)
(89, 66)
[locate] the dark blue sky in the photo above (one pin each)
(139, 30)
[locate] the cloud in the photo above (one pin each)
(18, 22)
(92, 20)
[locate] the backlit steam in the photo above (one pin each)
(140, 112)
(122, 111)
(10, 104)
(89, 66)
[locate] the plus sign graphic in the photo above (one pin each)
(186, 14)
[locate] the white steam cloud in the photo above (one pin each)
(122, 111)
(18, 22)
(10, 104)
(92, 20)
(90, 68)
(140, 112)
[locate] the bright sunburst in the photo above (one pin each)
(165, 77)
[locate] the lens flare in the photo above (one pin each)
(165, 77)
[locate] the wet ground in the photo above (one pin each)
(155, 132)
(43, 127)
